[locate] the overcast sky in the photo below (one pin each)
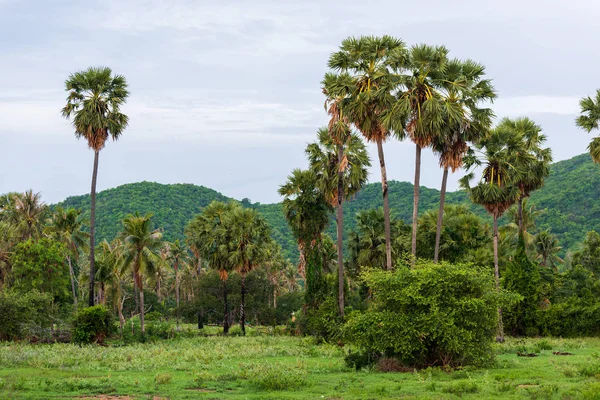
(226, 94)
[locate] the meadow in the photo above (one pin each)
(266, 366)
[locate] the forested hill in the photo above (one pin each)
(570, 197)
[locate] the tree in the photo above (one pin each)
(29, 210)
(209, 233)
(66, 227)
(464, 122)
(363, 86)
(177, 253)
(533, 159)
(588, 120)
(112, 263)
(340, 161)
(142, 245)
(496, 190)
(250, 238)
(94, 101)
(547, 249)
(306, 209)
(9, 238)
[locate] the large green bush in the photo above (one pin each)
(91, 324)
(429, 315)
(20, 310)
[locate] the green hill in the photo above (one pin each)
(570, 199)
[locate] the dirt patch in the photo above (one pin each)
(522, 354)
(562, 353)
(527, 385)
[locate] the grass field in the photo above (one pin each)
(280, 367)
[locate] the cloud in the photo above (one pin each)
(535, 104)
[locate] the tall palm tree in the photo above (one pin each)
(66, 227)
(535, 160)
(363, 85)
(340, 161)
(306, 209)
(142, 245)
(465, 121)
(497, 189)
(419, 109)
(94, 101)
(589, 120)
(209, 233)
(250, 240)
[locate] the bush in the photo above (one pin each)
(91, 325)
(19, 310)
(431, 314)
(324, 323)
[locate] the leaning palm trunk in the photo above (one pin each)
(72, 275)
(177, 290)
(416, 203)
(520, 213)
(386, 207)
(121, 317)
(500, 334)
(226, 314)
(92, 226)
(340, 231)
(438, 231)
(243, 306)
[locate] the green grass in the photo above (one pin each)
(277, 367)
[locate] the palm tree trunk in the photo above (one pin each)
(340, 230)
(177, 290)
(500, 333)
(226, 317)
(243, 306)
(72, 275)
(520, 213)
(438, 232)
(92, 226)
(386, 207)
(142, 306)
(121, 317)
(416, 202)
(275, 298)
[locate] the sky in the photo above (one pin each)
(226, 94)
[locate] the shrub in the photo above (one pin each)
(274, 376)
(431, 314)
(91, 325)
(323, 323)
(18, 310)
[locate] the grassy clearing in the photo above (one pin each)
(278, 367)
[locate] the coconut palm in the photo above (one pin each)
(362, 86)
(547, 249)
(111, 263)
(306, 209)
(340, 162)
(497, 189)
(209, 233)
(142, 245)
(9, 237)
(589, 120)
(94, 101)
(465, 122)
(250, 240)
(66, 227)
(177, 254)
(28, 213)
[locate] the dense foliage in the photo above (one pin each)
(430, 315)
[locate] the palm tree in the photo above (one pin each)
(66, 227)
(29, 211)
(306, 209)
(497, 189)
(142, 245)
(209, 233)
(250, 239)
(464, 122)
(340, 162)
(522, 222)
(177, 253)
(9, 237)
(112, 264)
(535, 160)
(588, 120)
(363, 86)
(94, 101)
(547, 249)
